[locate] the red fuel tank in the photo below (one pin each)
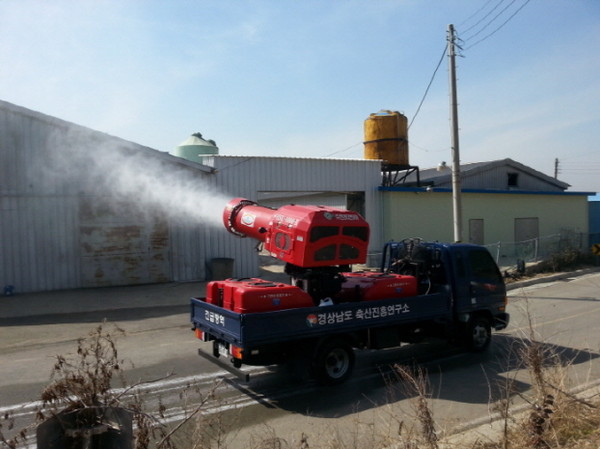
(370, 286)
(256, 295)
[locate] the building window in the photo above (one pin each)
(513, 180)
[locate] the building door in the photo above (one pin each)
(476, 231)
(527, 232)
(526, 229)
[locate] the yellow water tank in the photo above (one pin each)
(386, 137)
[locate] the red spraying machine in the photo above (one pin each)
(319, 244)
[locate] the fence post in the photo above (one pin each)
(498, 253)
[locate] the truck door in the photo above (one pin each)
(486, 286)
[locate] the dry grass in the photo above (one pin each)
(83, 385)
(553, 418)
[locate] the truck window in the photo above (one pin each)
(460, 266)
(483, 266)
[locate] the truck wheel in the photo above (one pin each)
(479, 334)
(334, 362)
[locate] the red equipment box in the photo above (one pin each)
(214, 293)
(256, 295)
(370, 286)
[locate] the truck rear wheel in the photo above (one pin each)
(478, 334)
(333, 362)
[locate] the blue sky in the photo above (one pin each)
(298, 78)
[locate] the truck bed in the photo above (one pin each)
(254, 329)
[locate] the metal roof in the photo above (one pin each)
(443, 178)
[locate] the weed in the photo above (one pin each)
(417, 385)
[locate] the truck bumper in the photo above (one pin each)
(501, 321)
(243, 376)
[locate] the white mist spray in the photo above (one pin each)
(155, 183)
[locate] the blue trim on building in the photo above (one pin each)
(511, 192)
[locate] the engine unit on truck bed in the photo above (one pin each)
(371, 286)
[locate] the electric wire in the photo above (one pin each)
(342, 151)
(474, 14)
(576, 156)
(498, 28)
(418, 108)
(488, 24)
(428, 87)
(462, 40)
(484, 17)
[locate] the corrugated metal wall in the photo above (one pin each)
(38, 242)
(38, 248)
(62, 226)
(54, 234)
(329, 199)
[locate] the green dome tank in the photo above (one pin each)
(195, 148)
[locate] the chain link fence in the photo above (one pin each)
(509, 254)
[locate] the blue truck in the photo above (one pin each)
(458, 294)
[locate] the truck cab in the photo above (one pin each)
(468, 271)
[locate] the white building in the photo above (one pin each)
(79, 208)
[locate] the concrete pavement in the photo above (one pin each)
(90, 300)
(175, 296)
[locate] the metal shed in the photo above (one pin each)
(80, 208)
(74, 209)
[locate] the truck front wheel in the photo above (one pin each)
(478, 334)
(333, 362)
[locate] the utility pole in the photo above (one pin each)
(556, 168)
(456, 188)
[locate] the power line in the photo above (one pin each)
(484, 17)
(418, 108)
(500, 27)
(576, 156)
(344, 150)
(474, 14)
(482, 29)
(428, 86)
(446, 49)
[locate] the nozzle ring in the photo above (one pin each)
(233, 214)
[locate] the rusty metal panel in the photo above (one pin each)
(120, 245)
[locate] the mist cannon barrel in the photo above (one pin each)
(245, 218)
(305, 236)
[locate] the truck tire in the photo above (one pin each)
(478, 335)
(333, 362)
